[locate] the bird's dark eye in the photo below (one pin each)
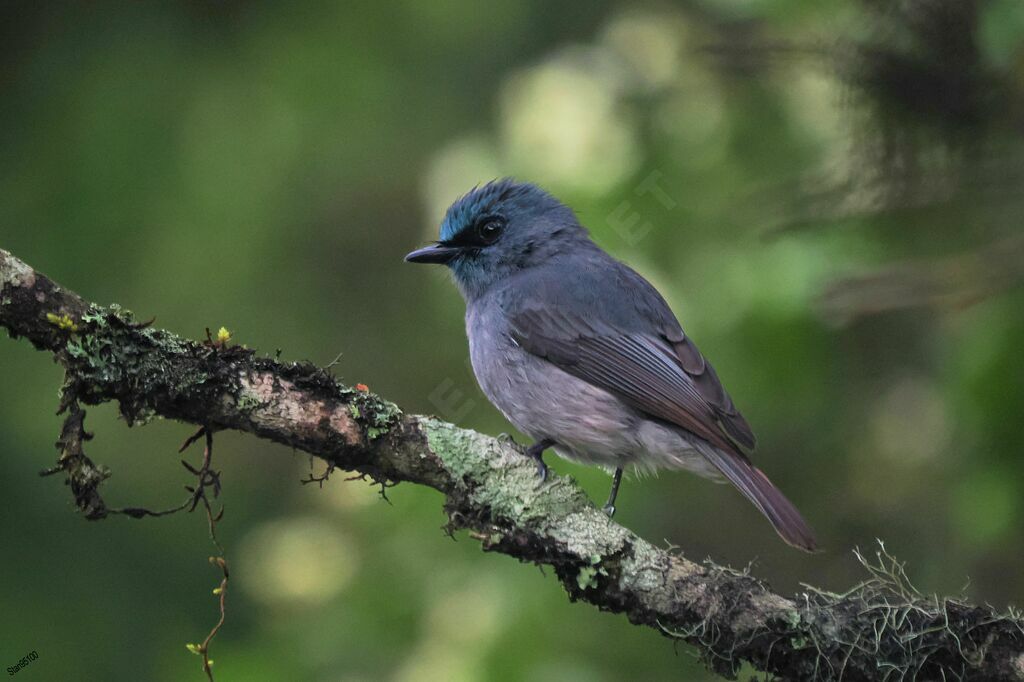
(489, 229)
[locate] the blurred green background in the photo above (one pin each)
(829, 195)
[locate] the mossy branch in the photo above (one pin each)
(883, 629)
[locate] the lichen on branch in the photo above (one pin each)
(883, 629)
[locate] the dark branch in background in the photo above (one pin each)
(881, 629)
(952, 283)
(935, 127)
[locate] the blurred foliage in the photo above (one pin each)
(264, 167)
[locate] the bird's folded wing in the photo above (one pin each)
(662, 374)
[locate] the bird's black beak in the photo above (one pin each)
(437, 253)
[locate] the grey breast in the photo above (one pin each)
(588, 423)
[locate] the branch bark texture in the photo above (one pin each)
(883, 629)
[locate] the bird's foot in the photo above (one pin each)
(542, 470)
(609, 506)
(536, 453)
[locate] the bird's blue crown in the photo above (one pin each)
(505, 193)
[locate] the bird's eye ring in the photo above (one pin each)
(489, 229)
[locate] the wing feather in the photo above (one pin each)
(648, 372)
(665, 376)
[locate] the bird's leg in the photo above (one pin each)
(609, 506)
(536, 453)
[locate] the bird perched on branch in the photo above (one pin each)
(583, 355)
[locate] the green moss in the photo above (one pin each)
(113, 357)
(247, 402)
(376, 415)
(62, 322)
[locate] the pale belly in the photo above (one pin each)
(587, 423)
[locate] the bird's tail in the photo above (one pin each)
(756, 487)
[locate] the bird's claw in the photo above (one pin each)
(609, 506)
(542, 471)
(536, 453)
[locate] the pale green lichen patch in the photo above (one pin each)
(587, 576)
(500, 478)
(505, 482)
(588, 531)
(462, 452)
(14, 272)
(646, 566)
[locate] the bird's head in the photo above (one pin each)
(499, 229)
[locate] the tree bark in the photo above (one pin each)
(882, 629)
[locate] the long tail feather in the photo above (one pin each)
(756, 487)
